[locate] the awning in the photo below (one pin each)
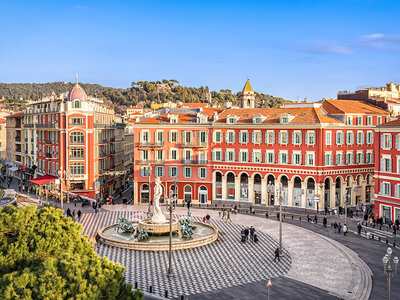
(13, 169)
(43, 179)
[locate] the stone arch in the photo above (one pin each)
(144, 193)
(230, 185)
(310, 191)
(257, 183)
(244, 186)
(218, 184)
(297, 191)
(187, 193)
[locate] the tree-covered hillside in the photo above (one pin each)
(140, 93)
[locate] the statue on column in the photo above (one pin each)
(158, 216)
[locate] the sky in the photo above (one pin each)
(292, 49)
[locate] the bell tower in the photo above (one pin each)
(248, 97)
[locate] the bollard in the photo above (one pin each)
(394, 244)
(379, 238)
(292, 217)
(151, 289)
(136, 285)
(284, 216)
(372, 236)
(182, 297)
(387, 241)
(166, 294)
(300, 218)
(380, 227)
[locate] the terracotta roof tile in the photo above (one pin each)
(395, 123)
(334, 107)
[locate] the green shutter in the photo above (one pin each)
(280, 137)
(240, 137)
(253, 137)
(199, 172)
(227, 137)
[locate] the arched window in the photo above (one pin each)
(77, 168)
(76, 103)
(77, 138)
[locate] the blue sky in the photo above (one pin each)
(292, 49)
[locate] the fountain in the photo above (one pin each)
(151, 234)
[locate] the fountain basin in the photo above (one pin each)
(158, 228)
(204, 234)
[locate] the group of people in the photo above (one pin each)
(337, 227)
(226, 214)
(206, 219)
(246, 232)
(75, 217)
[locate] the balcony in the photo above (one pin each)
(194, 162)
(194, 145)
(150, 162)
(47, 125)
(29, 125)
(18, 139)
(151, 145)
(48, 142)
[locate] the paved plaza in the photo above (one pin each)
(312, 264)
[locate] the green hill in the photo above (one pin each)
(140, 93)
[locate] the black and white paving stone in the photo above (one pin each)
(225, 263)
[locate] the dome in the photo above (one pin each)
(77, 93)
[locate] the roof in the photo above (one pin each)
(339, 107)
(16, 115)
(43, 179)
(307, 115)
(2, 121)
(193, 105)
(395, 123)
(247, 87)
(77, 93)
(135, 107)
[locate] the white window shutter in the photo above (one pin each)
(382, 164)
(397, 141)
(280, 158)
(390, 141)
(280, 137)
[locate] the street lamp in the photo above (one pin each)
(170, 208)
(270, 188)
(387, 268)
(280, 218)
(345, 207)
(148, 211)
(60, 176)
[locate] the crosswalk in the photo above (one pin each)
(225, 263)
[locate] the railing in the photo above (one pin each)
(194, 145)
(150, 162)
(18, 139)
(47, 125)
(29, 125)
(148, 144)
(194, 162)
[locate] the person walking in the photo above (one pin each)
(308, 218)
(334, 227)
(277, 254)
(223, 213)
(277, 216)
(79, 215)
(73, 215)
(255, 238)
(228, 217)
(339, 228)
(68, 212)
(208, 217)
(345, 229)
(316, 219)
(359, 227)
(252, 231)
(325, 221)
(246, 233)
(394, 229)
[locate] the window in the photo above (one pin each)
(339, 138)
(159, 172)
(202, 172)
(217, 155)
(283, 158)
(359, 120)
(339, 159)
(243, 137)
(76, 121)
(202, 137)
(270, 157)
(76, 138)
(370, 138)
(76, 154)
(159, 155)
(77, 168)
(328, 138)
(309, 159)
(270, 138)
(349, 158)
(256, 157)
(296, 138)
(369, 158)
(145, 136)
(328, 159)
(378, 120)
(386, 165)
(231, 120)
(243, 156)
(230, 155)
(76, 103)
(283, 137)
(144, 171)
(398, 142)
(369, 121)
(386, 142)
(257, 120)
(310, 138)
(218, 136)
(349, 138)
(257, 137)
(173, 172)
(187, 172)
(187, 137)
(359, 158)
(173, 154)
(296, 159)
(159, 137)
(360, 138)
(349, 121)
(230, 137)
(386, 189)
(173, 136)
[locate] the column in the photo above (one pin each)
(214, 187)
(237, 188)
(136, 194)
(250, 188)
(332, 200)
(353, 194)
(264, 192)
(320, 188)
(224, 191)
(290, 192)
(303, 196)
(363, 186)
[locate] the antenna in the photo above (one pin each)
(76, 75)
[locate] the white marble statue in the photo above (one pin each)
(158, 216)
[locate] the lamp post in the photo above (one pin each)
(60, 176)
(67, 175)
(345, 207)
(170, 209)
(387, 268)
(280, 218)
(148, 211)
(270, 187)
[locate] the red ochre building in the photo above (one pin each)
(231, 155)
(387, 171)
(75, 137)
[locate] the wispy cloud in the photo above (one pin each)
(381, 41)
(326, 48)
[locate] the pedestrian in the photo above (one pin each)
(266, 215)
(255, 238)
(277, 216)
(334, 227)
(94, 207)
(188, 205)
(243, 236)
(19, 187)
(339, 228)
(228, 217)
(315, 219)
(324, 222)
(220, 214)
(236, 209)
(394, 229)
(359, 227)
(252, 231)
(308, 218)
(251, 209)
(208, 217)
(68, 212)
(99, 206)
(223, 213)
(73, 215)
(344, 229)
(246, 233)
(79, 215)
(204, 219)
(277, 254)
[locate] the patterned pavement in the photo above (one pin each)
(225, 263)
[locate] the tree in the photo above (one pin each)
(43, 255)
